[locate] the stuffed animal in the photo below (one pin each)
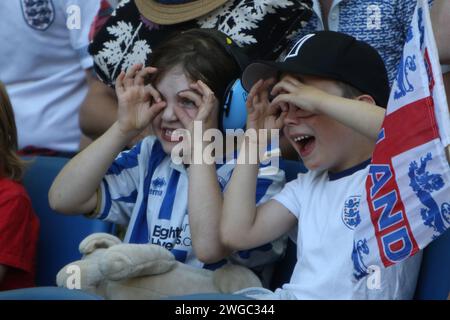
(119, 271)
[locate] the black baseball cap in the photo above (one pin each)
(332, 55)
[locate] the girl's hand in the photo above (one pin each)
(206, 102)
(291, 91)
(261, 114)
(139, 104)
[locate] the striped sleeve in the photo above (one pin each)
(119, 188)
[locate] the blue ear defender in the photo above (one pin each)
(234, 114)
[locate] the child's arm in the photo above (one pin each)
(205, 196)
(74, 189)
(364, 117)
(243, 225)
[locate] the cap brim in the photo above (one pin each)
(166, 14)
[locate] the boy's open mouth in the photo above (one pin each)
(305, 144)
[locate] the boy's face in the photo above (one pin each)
(322, 142)
(164, 125)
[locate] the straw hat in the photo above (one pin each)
(166, 12)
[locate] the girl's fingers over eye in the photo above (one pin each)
(153, 93)
(190, 97)
(119, 81)
(140, 77)
(183, 116)
(150, 70)
(133, 70)
(204, 87)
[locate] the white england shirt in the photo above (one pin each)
(327, 209)
(43, 60)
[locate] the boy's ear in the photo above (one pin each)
(366, 98)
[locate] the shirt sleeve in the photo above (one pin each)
(80, 15)
(18, 233)
(289, 197)
(118, 191)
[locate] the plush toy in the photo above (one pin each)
(115, 270)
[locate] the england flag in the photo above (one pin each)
(407, 203)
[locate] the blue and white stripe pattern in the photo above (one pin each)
(145, 190)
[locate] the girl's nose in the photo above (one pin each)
(168, 113)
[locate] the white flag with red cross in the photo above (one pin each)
(407, 203)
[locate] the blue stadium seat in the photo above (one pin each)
(434, 277)
(59, 235)
(292, 168)
(47, 293)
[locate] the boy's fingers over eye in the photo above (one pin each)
(283, 86)
(255, 102)
(279, 122)
(281, 100)
(268, 83)
(294, 81)
(274, 109)
(256, 87)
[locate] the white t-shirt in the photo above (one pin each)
(43, 64)
(326, 207)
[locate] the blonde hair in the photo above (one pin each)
(11, 166)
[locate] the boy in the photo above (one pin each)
(327, 96)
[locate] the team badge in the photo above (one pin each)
(38, 14)
(350, 213)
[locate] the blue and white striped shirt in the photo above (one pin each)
(145, 190)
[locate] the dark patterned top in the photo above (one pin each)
(263, 27)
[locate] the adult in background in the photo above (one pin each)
(45, 65)
(383, 24)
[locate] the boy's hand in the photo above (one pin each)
(260, 113)
(204, 99)
(291, 91)
(139, 104)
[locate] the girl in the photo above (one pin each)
(163, 202)
(19, 226)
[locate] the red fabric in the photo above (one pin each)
(19, 231)
(102, 16)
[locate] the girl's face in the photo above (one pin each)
(164, 125)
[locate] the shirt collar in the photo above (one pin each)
(333, 176)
